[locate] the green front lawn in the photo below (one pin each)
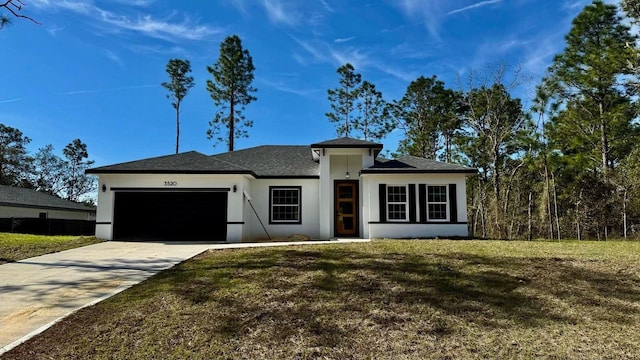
(379, 300)
(14, 247)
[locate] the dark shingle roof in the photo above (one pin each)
(21, 197)
(413, 164)
(191, 162)
(274, 161)
(346, 142)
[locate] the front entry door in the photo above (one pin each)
(346, 208)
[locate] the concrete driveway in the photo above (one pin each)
(37, 292)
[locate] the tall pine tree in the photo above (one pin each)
(343, 100)
(584, 81)
(374, 121)
(231, 90)
(178, 86)
(430, 115)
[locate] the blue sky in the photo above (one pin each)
(93, 69)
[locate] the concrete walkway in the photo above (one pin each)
(37, 292)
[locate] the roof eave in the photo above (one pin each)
(349, 146)
(416, 171)
(288, 177)
(48, 207)
(230, 172)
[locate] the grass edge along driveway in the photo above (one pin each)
(383, 300)
(15, 247)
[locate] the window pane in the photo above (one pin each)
(437, 211)
(285, 205)
(345, 192)
(397, 211)
(346, 207)
(285, 213)
(285, 196)
(437, 194)
(396, 194)
(348, 223)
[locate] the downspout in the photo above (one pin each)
(244, 192)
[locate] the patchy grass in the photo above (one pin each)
(290, 238)
(14, 247)
(379, 300)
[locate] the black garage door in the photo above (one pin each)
(188, 216)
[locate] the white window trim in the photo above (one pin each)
(446, 191)
(406, 203)
(272, 205)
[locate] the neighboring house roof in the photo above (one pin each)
(414, 164)
(274, 161)
(191, 162)
(21, 197)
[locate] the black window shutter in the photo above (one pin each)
(422, 202)
(412, 202)
(453, 204)
(382, 199)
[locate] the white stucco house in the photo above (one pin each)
(335, 188)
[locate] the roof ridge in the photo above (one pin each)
(212, 157)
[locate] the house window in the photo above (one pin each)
(42, 215)
(437, 202)
(396, 202)
(285, 204)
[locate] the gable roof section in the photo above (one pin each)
(274, 161)
(191, 162)
(346, 142)
(21, 197)
(415, 165)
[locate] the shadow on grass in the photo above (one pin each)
(495, 292)
(356, 301)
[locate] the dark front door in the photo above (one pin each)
(346, 208)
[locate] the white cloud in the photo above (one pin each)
(326, 6)
(350, 55)
(474, 6)
(278, 14)
(9, 100)
(165, 29)
(318, 55)
(76, 6)
(408, 50)
(55, 30)
(342, 40)
(336, 55)
(284, 86)
(401, 74)
(428, 12)
(159, 28)
(140, 3)
(113, 57)
(93, 91)
(152, 49)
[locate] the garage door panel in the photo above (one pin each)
(170, 216)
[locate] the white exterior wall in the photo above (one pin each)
(23, 212)
(310, 207)
(318, 196)
(333, 166)
(412, 230)
(235, 211)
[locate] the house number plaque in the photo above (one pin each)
(170, 183)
